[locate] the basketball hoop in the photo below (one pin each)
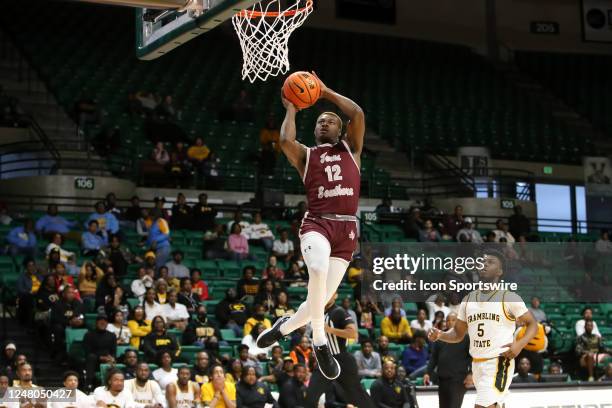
(264, 31)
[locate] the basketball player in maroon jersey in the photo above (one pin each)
(328, 234)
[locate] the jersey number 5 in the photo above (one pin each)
(480, 329)
(333, 173)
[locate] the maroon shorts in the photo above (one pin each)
(342, 235)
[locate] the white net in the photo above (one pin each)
(264, 32)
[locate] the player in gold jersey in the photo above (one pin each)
(490, 319)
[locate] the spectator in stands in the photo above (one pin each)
(117, 301)
(198, 153)
(139, 286)
(259, 233)
(250, 393)
(523, 375)
(132, 213)
(248, 285)
(201, 369)
(396, 327)
(5, 218)
(67, 312)
(429, 233)
(603, 244)
(51, 222)
(396, 303)
(22, 240)
(119, 256)
(110, 205)
(244, 224)
(105, 289)
(518, 224)
(203, 214)
(44, 300)
(165, 374)
(296, 273)
(237, 244)
(414, 357)
(607, 377)
(144, 390)
(159, 238)
(7, 359)
(301, 353)
(160, 155)
(158, 341)
(179, 166)
(501, 231)
(151, 306)
(138, 325)
(436, 303)
(587, 316)
(536, 311)
(454, 223)
(181, 214)
(107, 222)
(382, 347)
(235, 367)
(171, 283)
(166, 109)
(269, 135)
(266, 295)
(202, 332)
(118, 328)
(282, 306)
(292, 393)
(89, 276)
(186, 297)
(413, 223)
(100, 347)
(231, 312)
(161, 288)
(218, 392)
(175, 314)
(256, 353)
(367, 310)
(468, 233)
(387, 391)
(590, 349)
(272, 271)
(211, 170)
(283, 247)
(198, 286)
(56, 244)
(28, 284)
(176, 269)
(385, 207)
(421, 323)
(93, 240)
(258, 317)
(368, 361)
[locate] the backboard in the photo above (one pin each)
(160, 31)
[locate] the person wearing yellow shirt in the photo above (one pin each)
(396, 327)
(257, 318)
(218, 393)
(138, 325)
(270, 135)
(198, 152)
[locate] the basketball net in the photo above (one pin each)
(264, 31)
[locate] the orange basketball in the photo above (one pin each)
(302, 89)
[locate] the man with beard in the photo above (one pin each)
(201, 332)
(130, 360)
(143, 390)
(183, 393)
(251, 393)
(201, 368)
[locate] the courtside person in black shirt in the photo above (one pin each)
(388, 392)
(451, 362)
(100, 347)
(339, 326)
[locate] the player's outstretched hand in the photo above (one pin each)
(324, 87)
(512, 352)
(434, 334)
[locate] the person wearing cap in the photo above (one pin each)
(159, 238)
(501, 231)
(7, 359)
(468, 233)
(100, 347)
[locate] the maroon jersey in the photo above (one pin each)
(331, 179)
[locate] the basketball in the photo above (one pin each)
(302, 89)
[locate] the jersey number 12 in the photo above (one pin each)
(333, 173)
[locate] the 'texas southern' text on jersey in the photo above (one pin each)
(331, 179)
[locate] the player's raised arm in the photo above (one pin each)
(355, 131)
(295, 151)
